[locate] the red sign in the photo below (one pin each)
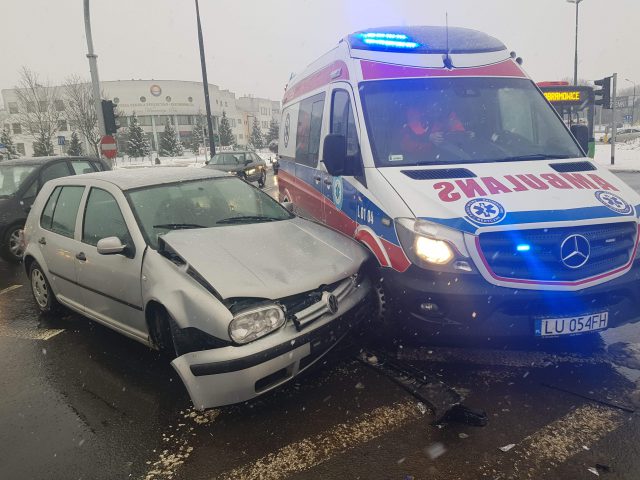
(108, 146)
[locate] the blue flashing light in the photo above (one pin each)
(523, 247)
(389, 40)
(390, 43)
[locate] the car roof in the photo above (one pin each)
(234, 151)
(42, 160)
(130, 178)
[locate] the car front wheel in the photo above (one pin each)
(11, 248)
(41, 290)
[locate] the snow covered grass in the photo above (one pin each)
(187, 160)
(627, 156)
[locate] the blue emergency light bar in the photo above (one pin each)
(523, 247)
(388, 40)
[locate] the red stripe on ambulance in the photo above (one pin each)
(378, 70)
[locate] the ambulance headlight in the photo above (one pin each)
(428, 244)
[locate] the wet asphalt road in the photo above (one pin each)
(78, 401)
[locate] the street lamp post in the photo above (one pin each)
(633, 101)
(575, 60)
(205, 83)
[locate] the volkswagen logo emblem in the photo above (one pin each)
(575, 251)
(331, 301)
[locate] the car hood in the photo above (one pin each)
(499, 195)
(268, 260)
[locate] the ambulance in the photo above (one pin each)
(433, 148)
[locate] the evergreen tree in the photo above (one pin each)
(75, 147)
(255, 138)
(197, 136)
(226, 135)
(42, 146)
(273, 133)
(7, 141)
(137, 142)
(170, 145)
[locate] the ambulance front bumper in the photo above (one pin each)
(468, 305)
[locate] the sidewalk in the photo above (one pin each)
(627, 156)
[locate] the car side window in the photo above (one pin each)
(103, 218)
(31, 192)
(97, 166)
(81, 166)
(343, 121)
(60, 212)
(57, 170)
(308, 130)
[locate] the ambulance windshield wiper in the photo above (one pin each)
(532, 156)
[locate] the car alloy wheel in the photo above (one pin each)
(40, 288)
(15, 244)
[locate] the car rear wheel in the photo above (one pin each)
(41, 290)
(11, 249)
(263, 179)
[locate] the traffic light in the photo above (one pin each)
(109, 115)
(603, 96)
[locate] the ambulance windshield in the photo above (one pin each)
(438, 121)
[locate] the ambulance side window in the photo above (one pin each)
(308, 130)
(343, 122)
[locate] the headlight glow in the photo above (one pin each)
(252, 324)
(432, 250)
(251, 171)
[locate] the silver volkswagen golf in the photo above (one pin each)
(201, 265)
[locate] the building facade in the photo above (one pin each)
(155, 102)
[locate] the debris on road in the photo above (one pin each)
(506, 448)
(422, 408)
(435, 450)
(594, 471)
(463, 435)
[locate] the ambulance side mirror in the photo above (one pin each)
(581, 132)
(335, 154)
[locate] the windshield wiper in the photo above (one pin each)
(247, 218)
(532, 156)
(178, 226)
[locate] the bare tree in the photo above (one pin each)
(81, 112)
(40, 107)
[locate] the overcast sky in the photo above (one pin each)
(253, 46)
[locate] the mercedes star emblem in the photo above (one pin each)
(575, 251)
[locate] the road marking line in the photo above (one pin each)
(555, 443)
(310, 452)
(28, 332)
(9, 289)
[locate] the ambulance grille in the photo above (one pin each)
(535, 254)
(439, 174)
(572, 167)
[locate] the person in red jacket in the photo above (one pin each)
(426, 128)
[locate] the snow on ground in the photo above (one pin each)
(627, 156)
(187, 160)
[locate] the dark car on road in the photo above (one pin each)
(20, 182)
(247, 165)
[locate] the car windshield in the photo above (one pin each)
(12, 177)
(214, 202)
(228, 159)
(461, 120)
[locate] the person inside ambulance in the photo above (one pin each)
(427, 128)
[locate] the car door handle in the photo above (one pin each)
(81, 256)
(317, 179)
(328, 181)
(42, 241)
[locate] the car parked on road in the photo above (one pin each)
(246, 165)
(626, 135)
(202, 266)
(20, 182)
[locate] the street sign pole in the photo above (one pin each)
(93, 68)
(613, 121)
(205, 83)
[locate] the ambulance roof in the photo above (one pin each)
(424, 39)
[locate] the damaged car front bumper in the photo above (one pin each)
(238, 373)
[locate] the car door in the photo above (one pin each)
(59, 244)
(111, 284)
(343, 201)
(54, 170)
(308, 196)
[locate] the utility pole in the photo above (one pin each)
(205, 83)
(93, 68)
(613, 122)
(575, 60)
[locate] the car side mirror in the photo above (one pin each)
(288, 206)
(110, 246)
(335, 154)
(581, 133)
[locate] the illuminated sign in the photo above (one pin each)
(559, 96)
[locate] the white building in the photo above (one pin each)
(154, 102)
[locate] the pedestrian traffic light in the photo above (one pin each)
(109, 115)
(603, 96)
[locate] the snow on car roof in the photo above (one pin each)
(127, 179)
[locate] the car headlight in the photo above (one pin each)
(251, 171)
(252, 324)
(428, 244)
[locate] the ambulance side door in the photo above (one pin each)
(343, 200)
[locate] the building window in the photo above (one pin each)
(168, 98)
(43, 104)
(123, 121)
(190, 99)
(17, 128)
(59, 104)
(31, 107)
(185, 120)
(116, 100)
(62, 125)
(162, 119)
(275, 111)
(216, 102)
(144, 120)
(225, 104)
(143, 99)
(13, 107)
(240, 136)
(20, 147)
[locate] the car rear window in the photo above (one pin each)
(60, 212)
